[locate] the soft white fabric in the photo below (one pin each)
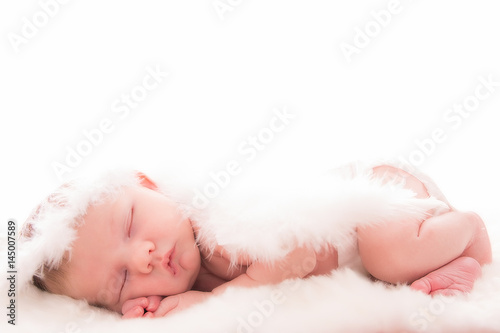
(342, 302)
(265, 220)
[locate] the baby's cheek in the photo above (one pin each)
(190, 260)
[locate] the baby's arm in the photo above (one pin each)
(297, 264)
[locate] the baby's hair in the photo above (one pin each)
(50, 280)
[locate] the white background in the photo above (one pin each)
(228, 72)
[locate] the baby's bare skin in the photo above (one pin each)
(216, 268)
(139, 241)
(440, 255)
(456, 270)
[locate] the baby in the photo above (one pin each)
(138, 255)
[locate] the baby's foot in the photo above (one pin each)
(456, 277)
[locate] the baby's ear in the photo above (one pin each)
(146, 182)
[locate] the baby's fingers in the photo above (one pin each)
(132, 303)
(154, 302)
(135, 312)
(167, 304)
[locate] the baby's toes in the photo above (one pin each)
(456, 277)
(422, 285)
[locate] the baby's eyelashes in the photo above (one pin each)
(129, 222)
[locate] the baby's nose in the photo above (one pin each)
(141, 257)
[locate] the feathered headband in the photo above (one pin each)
(47, 235)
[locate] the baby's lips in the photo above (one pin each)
(168, 262)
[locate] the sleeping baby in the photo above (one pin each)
(138, 250)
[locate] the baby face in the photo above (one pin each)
(136, 245)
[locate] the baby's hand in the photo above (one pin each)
(141, 307)
(176, 303)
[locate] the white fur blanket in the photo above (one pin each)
(344, 301)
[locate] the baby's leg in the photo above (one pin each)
(404, 251)
(460, 274)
